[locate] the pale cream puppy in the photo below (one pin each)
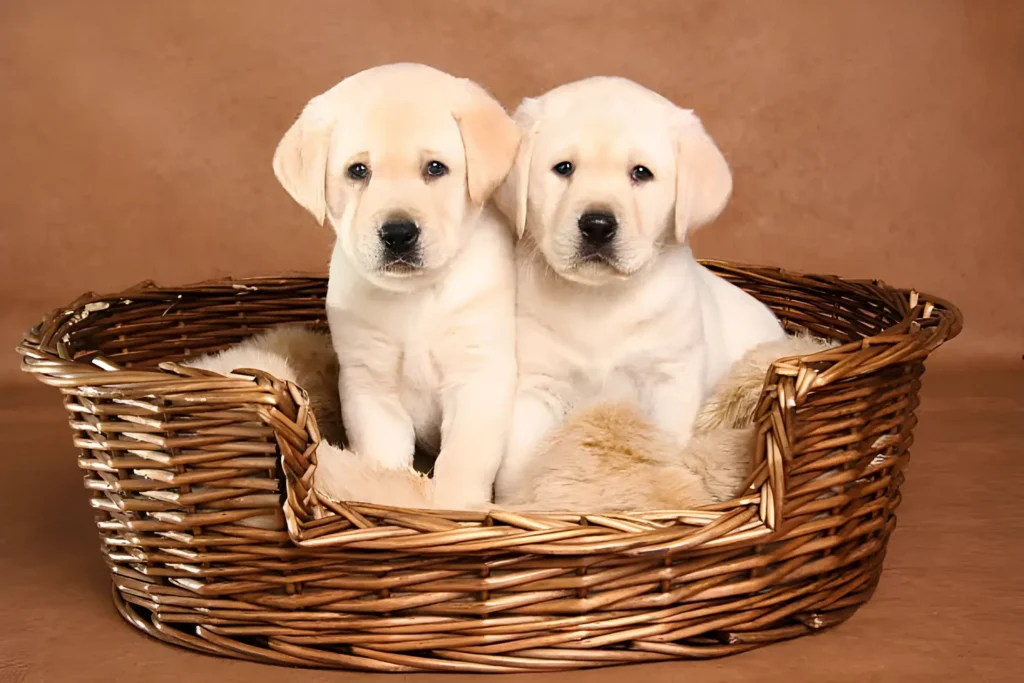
(402, 160)
(609, 181)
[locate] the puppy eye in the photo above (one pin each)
(641, 174)
(564, 168)
(358, 171)
(435, 169)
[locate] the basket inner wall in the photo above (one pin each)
(143, 329)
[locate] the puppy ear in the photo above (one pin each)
(490, 138)
(703, 178)
(300, 161)
(512, 194)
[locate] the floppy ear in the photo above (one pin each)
(300, 161)
(703, 178)
(512, 194)
(490, 138)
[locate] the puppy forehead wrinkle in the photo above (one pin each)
(413, 128)
(400, 141)
(608, 143)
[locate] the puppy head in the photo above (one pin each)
(397, 158)
(606, 173)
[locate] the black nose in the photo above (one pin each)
(597, 228)
(400, 236)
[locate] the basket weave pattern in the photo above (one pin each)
(184, 468)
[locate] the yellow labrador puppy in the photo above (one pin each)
(609, 181)
(401, 160)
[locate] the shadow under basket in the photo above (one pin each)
(201, 489)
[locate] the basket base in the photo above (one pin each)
(269, 650)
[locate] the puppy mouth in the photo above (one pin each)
(598, 257)
(600, 261)
(403, 266)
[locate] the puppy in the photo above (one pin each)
(609, 457)
(401, 161)
(609, 181)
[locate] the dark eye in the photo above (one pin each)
(564, 168)
(435, 169)
(641, 174)
(358, 171)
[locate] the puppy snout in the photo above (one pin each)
(399, 236)
(597, 228)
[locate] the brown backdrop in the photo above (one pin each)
(871, 138)
(868, 138)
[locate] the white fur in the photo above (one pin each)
(651, 325)
(427, 354)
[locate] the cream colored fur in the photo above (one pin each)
(342, 475)
(645, 323)
(293, 353)
(609, 457)
(426, 347)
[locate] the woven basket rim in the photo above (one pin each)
(39, 339)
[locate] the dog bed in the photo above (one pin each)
(215, 541)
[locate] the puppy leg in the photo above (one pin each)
(475, 419)
(378, 427)
(672, 403)
(534, 414)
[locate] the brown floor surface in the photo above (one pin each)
(950, 605)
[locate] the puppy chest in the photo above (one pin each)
(417, 369)
(420, 380)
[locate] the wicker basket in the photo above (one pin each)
(179, 462)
